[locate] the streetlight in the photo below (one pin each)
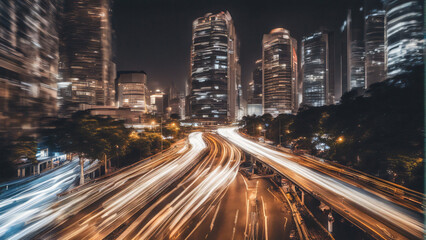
(340, 139)
(152, 124)
(264, 133)
(161, 133)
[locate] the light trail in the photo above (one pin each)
(192, 200)
(156, 199)
(364, 207)
(21, 203)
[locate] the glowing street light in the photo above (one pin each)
(340, 139)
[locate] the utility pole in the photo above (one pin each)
(279, 131)
(161, 132)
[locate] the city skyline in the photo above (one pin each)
(132, 19)
(219, 119)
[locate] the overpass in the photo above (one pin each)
(363, 205)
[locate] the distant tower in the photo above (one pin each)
(404, 35)
(374, 35)
(318, 68)
(132, 90)
(254, 92)
(353, 51)
(279, 57)
(86, 67)
(215, 72)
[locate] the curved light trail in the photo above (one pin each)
(20, 203)
(378, 215)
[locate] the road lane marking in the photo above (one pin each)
(285, 223)
(214, 216)
(266, 218)
(235, 223)
(245, 182)
(247, 216)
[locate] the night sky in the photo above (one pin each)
(155, 35)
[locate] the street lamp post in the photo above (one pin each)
(161, 132)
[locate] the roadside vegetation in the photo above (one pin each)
(379, 131)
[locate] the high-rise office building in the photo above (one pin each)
(215, 71)
(374, 36)
(318, 68)
(86, 67)
(353, 50)
(279, 59)
(254, 92)
(28, 64)
(404, 35)
(132, 90)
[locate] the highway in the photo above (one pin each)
(165, 197)
(250, 209)
(380, 216)
(26, 200)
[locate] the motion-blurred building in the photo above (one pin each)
(87, 72)
(374, 35)
(215, 71)
(254, 91)
(28, 64)
(318, 68)
(404, 35)
(132, 90)
(280, 70)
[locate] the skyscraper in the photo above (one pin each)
(132, 90)
(86, 69)
(353, 50)
(318, 68)
(28, 64)
(279, 58)
(404, 35)
(374, 35)
(215, 71)
(254, 92)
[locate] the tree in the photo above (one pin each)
(113, 138)
(87, 136)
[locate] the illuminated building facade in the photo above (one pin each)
(28, 64)
(318, 68)
(279, 67)
(404, 35)
(254, 92)
(374, 35)
(159, 102)
(86, 69)
(132, 90)
(353, 51)
(215, 71)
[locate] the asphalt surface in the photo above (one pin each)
(250, 209)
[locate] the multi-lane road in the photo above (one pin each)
(380, 216)
(24, 200)
(194, 191)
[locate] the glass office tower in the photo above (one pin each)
(404, 35)
(374, 35)
(86, 67)
(279, 72)
(215, 71)
(318, 69)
